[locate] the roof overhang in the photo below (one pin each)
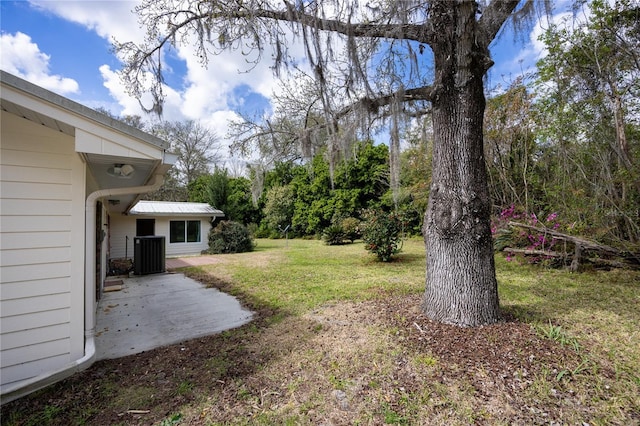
(174, 209)
(106, 145)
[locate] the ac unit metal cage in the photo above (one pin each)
(148, 255)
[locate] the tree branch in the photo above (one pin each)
(398, 31)
(494, 16)
(372, 105)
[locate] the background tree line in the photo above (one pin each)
(568, 140)
(565, 141)
(392, 64)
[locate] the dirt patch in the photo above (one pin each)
(374, 362)
(183, 262)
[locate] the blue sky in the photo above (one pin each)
(64, 46)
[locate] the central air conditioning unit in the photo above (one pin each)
(148, 255)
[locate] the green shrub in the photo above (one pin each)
(264, 231)
(351, 228)
(382, 233)
(334, 235)
(230, 237)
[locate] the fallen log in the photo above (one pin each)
(584, 243)
(581, 251)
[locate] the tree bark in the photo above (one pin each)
(461, 286)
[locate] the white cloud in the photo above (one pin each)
(525, 54)
(205, 94)
(537, 46)
(108, 18)
(23, 58)
(205, 88)
(216, 120)
(131, 106)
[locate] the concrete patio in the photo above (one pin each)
(157, 310)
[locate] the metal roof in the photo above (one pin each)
(173, 208)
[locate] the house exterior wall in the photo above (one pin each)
(121, 228)
(42, 192)
(125, 226)
(184, 249)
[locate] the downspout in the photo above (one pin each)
(25, 387)
(90, 260)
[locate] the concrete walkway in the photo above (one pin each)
(162, 309)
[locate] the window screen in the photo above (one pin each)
(193, 231)
(184, 231)
(177, 231)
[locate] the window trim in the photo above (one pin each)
(185, 236)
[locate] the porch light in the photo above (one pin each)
(121, 170)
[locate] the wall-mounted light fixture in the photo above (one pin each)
(121, 170)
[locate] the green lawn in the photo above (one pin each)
(298, 275)
(597, 313)
(327, 347)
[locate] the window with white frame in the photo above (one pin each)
(184, 231)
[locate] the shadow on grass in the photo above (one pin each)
(222, 370)
(408, 258)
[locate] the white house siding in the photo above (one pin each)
(120, 228)
(123, 226)
(41, 250)
(184, 249)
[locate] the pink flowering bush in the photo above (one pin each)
(521, 238)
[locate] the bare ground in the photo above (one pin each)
(371, 362)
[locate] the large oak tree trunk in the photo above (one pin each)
(461, 286)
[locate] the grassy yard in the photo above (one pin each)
(339, 339)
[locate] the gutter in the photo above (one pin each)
(43, 380)
(90, 238)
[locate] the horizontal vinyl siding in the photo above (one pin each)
(28, 223)
(15, 357)
(52, 207)
(22, 240)
(43, 160)
(36, 320)
(123, 226)
(22, 338)
(34, 364)
(32, 304)
(36, 255)
(26, 273)
(183, 249)
(37, 191)
(25, 289)
(31, 174)
(31, 256)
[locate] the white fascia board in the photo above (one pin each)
(91, 122)
(115, 144)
